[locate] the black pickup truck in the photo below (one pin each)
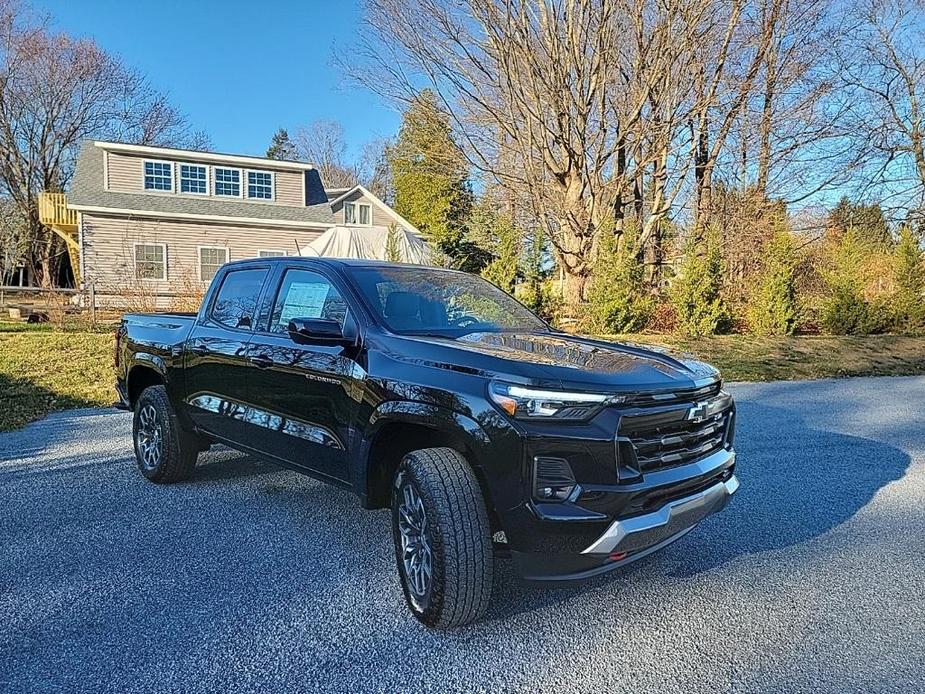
(435, 394)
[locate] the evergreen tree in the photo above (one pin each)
(909, 272)
(772, 309)
(696, 291)
(392, 249)
(281, 147)
(867, 222)
(845, 310)
(617, 294)
(431, 179)
(502, 271)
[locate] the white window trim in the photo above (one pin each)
(163, 277)
(199, 250)
(370, 208)
(180, 182)
(272, 197)
(357, 204)
(173, 176)
(242, 181)
(270, 250)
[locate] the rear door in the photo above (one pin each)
(305, 397)
(216, 353)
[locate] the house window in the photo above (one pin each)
(158, 175)
(357, 213)
(270, 254)
(227, 182)
(193, 179)
(211, 258)
(151, 261)
(260, 185)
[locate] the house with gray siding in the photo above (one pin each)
(161, 221)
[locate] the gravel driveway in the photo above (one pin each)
(251, 578)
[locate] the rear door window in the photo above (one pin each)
(235, 305)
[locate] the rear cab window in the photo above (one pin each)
(236, 301)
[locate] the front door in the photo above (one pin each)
(216, 355)
(304, 397)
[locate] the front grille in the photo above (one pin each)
(666, 439)
(670, 397)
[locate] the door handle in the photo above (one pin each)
(201, 350)
(261, 361)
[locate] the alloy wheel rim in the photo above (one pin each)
(416, 552)
(149, 437)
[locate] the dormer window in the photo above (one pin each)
(193, 179)
(227, 182)
(359, 213)
(260, 185)
(158, 175)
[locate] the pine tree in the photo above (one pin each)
(772, 308)
(392, 249)
(845, 310)
(867, 222)
(696, 291)
(502, 271)
(909, 271)
(617, 295)
(431, 179)
(281, 147)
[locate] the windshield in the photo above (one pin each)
(429, 301)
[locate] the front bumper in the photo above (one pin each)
(626, 539)
(641, 532)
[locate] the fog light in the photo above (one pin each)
(553, 479)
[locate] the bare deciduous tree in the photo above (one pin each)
(589, 111)
(884, 67)
(540, 96)
(322, 144)
(54, 92)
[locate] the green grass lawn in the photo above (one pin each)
(748, 358)
(43, 370)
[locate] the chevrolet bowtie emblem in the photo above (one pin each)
(699, 411)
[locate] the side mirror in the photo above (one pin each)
(315, 330)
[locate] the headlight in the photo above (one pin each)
(531, 403)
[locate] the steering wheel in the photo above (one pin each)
(464, 322)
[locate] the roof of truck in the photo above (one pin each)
(345, 262)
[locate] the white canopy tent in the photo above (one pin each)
(369, 243)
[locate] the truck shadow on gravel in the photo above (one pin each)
(797, 483)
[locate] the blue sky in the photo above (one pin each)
(237, 69)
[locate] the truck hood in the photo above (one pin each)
(560, 360)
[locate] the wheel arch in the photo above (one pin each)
(146, 370)
(399, 427)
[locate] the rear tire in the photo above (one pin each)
(164, 451)
(443, 546)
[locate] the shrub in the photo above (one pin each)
(617, 294)
(909, 274)
(772, 309)
(696, 290)
(542, 297)
(845, 310)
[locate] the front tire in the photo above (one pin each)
(443, 546)
(164, 451)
